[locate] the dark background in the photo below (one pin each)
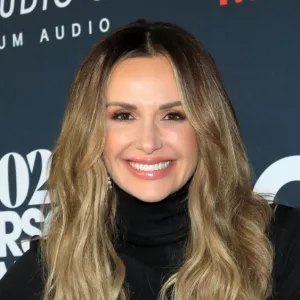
(254, 43)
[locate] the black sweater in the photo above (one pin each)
(153, 236)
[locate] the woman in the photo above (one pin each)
(150, 186)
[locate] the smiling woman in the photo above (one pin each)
(150, 145)
(151, 189)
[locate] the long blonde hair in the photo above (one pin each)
(228, 254)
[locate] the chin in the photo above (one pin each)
(150, 198)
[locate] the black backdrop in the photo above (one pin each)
(42, 42)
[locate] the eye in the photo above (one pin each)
(175, 116)
(122, 116)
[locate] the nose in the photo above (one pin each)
(148, 138)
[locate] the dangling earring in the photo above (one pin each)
(109, 182)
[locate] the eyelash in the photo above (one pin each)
(180, 116)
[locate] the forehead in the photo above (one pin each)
(142, 78)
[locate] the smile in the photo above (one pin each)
(153, 167)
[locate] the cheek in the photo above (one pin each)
(191, 146)
(115, 142)
(184, 138)
(111, 143)
(185, 142)
(191, 140)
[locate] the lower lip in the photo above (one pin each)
(150, 175)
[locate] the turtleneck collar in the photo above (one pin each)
(143, 223)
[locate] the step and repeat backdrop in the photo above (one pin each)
(256, 45)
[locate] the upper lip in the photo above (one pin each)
(149, 160)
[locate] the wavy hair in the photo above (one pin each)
(228, 254)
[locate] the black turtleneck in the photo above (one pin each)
(152, 237)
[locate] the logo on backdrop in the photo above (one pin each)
(18, 191)
(226, 2)
(9, 8)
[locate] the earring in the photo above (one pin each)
(109, 182)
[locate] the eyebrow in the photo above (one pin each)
(133, 107)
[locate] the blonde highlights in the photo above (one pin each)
(228, 254)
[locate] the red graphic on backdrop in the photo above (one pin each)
(225, 2)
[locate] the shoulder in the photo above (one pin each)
(24, 279)
(285, 236)
(285, 225)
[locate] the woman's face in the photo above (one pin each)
(150, 149)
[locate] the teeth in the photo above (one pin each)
(155, 167)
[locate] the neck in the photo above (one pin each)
(143, 223)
